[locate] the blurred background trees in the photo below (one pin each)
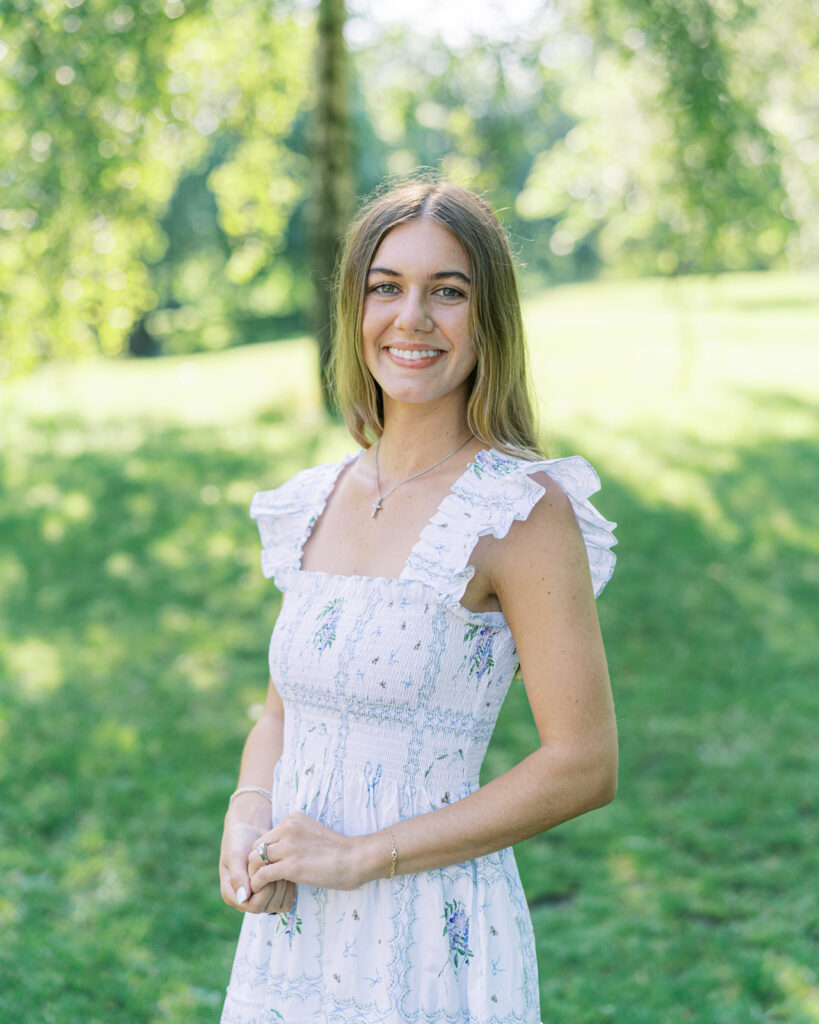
(164, 163)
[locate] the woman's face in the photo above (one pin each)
(416, 332)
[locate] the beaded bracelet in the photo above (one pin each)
(250, 789)
(388, 830)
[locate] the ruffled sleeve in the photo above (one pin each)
(285, 517)
(579, 480)
(496, 490)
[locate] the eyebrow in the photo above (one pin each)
(440, 275)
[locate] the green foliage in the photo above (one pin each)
(647, 137)
(674, 163)
(133, 658)
(107, 107)
(155, 182)
(479, 114)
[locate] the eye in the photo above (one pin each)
(449, 292)
(385, 288)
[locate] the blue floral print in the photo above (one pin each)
(490, 461)
(372, 777)
(481, 660)
(289, 923)
(456, 926)
(326, 633)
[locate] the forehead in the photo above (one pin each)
(421, 246)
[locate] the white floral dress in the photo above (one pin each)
(391, 691)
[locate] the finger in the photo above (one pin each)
(277, 895)
(267, 874)
(238, 879)
(235, 886)
(234, 877)
(242, 888)
(231, 897)
(225, 888)
(254, 860)
(289, 897)
(257, 904)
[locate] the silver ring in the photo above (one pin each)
(261, 849)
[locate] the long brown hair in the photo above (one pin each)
(499, 410)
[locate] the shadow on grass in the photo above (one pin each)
(677, 897)
(136, 628)
(134, 650)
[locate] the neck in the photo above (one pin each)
(417, 435)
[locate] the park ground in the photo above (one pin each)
(136, 621)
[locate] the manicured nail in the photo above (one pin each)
(241, 894)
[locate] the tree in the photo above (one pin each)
(106, 108)
(331, 165)
(669, 164)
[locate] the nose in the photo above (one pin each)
(413, 314)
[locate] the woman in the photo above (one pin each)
(417, 573)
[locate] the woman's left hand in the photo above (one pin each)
(303, 850)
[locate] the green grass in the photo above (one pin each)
(136, 621)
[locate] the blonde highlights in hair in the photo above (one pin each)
(499, 410)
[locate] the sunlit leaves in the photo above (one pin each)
(107, 106)
(152, 170)
(673, 102)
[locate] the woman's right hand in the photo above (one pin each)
(240, 836)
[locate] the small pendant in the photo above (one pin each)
(376, 508)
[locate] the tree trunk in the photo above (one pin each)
(331, 168)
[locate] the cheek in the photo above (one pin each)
(366, 331)
(368, 345)
(470, 352)
(371, 325)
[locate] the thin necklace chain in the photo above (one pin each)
(383, 497)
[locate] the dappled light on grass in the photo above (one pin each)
(672, 896)
(229, 389)
(99, 874)
(799, 986)
(638, 891)
(36, 665)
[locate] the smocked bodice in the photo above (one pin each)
(392, 682)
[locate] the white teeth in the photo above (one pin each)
(407, 353)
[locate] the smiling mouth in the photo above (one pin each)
(414, 354)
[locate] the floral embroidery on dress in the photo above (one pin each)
(481, 660)
(443, 757)
(289, 923)
(489, 460)
(326, 633)
(456, 925)
(372, 776)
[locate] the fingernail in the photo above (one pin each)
(241, 894)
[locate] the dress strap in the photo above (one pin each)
(496, 490)
(286, 515)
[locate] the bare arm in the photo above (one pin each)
(248, 817)
(261, 752)
(541, 578)
(542, 582)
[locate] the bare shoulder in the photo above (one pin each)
(552, 512)
(551, 522)
(546, 545)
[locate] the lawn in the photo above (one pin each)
(136, 621)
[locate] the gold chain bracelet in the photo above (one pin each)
(391, 875)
